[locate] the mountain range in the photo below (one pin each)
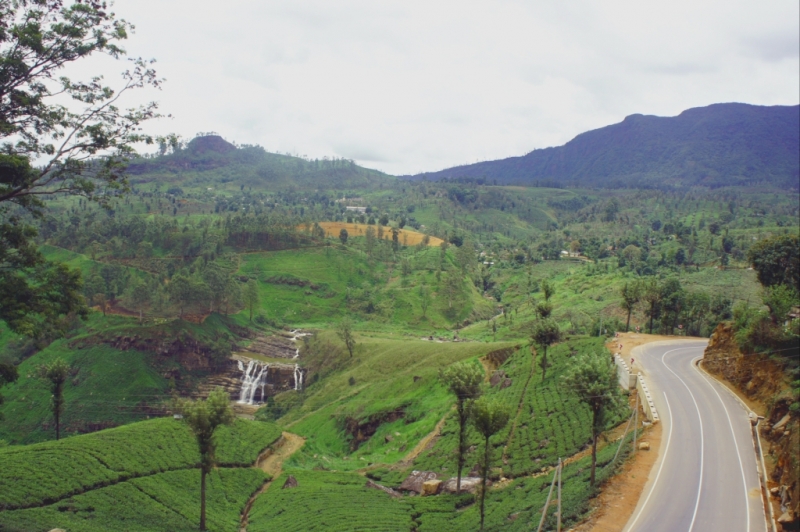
(728, 144)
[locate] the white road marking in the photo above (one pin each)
(663, 460)
(702, 439)
(735, 442)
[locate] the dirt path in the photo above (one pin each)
(423, 444)
(271, 463)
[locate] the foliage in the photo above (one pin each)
(203, 418)
(56, 373)
(345, 333)
(593, 378)
(545, 333)
(489, 417)
(79, 151)
(463, 380)
(777, 261)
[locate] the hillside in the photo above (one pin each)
(729, 144)
(211, 160)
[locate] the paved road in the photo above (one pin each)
(706, 478)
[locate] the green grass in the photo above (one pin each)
(389, 374)
(41, 473)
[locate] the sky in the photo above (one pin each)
(412, 86)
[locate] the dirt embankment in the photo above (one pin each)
(763, 384)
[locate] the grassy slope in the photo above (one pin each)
(384, 372)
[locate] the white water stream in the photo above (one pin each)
(256, 374)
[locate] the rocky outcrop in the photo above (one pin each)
(468, 485)
(273, 347)
(764, 380)
(414, 482)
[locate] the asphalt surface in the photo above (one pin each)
(706, 478)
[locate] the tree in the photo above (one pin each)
(56, 372)
(186, 291)
(203, 418)
(776, 261)
(345, 334)
(79, 150)
(251, 296)
(370, 239)
(8, 374)
(464, 381)
(424, 299)
(631, 295)
(343, 236)
(545, 333)
(548, 289)
(651, 294)
(544, 309)
(489, 416)
(139, 296)
(593, 379)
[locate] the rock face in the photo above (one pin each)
(414, 482)
(468, 484)
(273, 346)
(644, 446)
(431, 487)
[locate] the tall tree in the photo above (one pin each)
(548, 289)
(545, 333)
(651, 294)
(464, 381)
(631, 295)
(776, 261)
(139, 295)
(424, 299)
(489, 416)
(204, 417)
(8, 374)
(56, 373)
(79, 150)
(345, 333)
(251, 296)
(370, 237)
(343, 236)
(592, 377)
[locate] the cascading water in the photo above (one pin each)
(255, 377)
(295, 335)
(298, 378)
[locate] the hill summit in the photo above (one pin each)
(729, 144)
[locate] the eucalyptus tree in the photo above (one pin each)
(203, 418)
(489, 416)
(592, 377)
(56, 373)
(463, 379)
(545, 333)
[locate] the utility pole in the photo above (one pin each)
(558, 525)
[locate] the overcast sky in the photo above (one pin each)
(410, 86)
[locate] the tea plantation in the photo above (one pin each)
(127, 477)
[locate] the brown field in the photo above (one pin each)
(407, 237)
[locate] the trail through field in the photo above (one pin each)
(424, 443)
(519, 409)
(271, 463)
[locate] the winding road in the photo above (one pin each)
(706, 477)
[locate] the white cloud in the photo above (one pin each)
(408, 86)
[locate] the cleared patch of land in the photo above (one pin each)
(406, 236)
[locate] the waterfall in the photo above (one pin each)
(255, 376)
(298, 378)
(295, 335)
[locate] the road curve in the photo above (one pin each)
(706, 477)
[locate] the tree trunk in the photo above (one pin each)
(483, 480)
(652, 313)
(594, 448)
(462, 422)
(544, 363)
(203, 498)
(58, 424)
(628, 323)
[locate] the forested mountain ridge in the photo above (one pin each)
(209, 159)
(730, 144)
